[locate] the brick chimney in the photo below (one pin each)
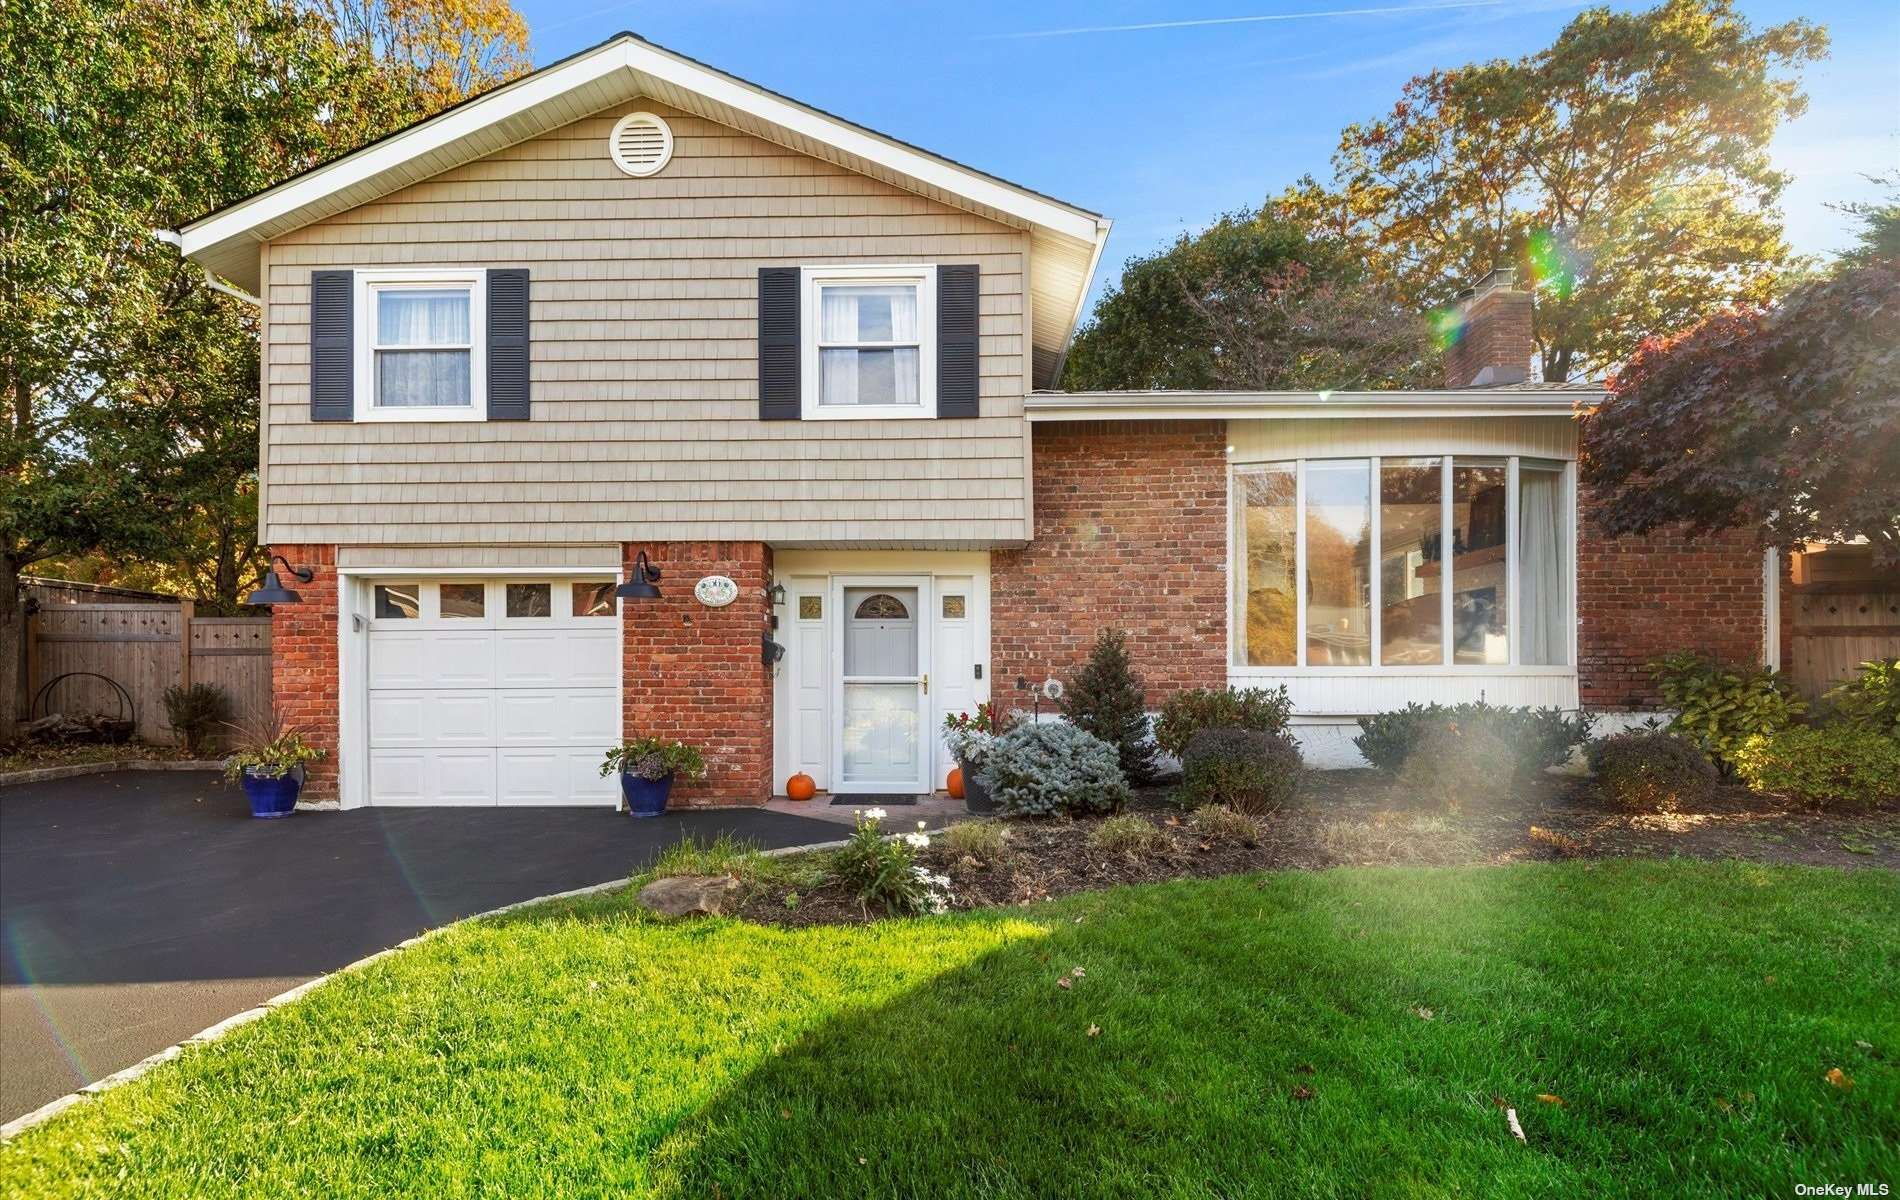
(1493, 346)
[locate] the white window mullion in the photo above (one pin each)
(1299, 562)
(1445, 555)
(1376, 565)
(1513, 596)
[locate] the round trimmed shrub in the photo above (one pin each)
(1829, 766)
(1040, 768)
(1452, 764)
(1186, 713)
(1651, 770)
(1245, 770)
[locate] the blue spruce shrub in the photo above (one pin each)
(1039, 769)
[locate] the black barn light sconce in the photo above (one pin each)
(273, 591)
(640, 586)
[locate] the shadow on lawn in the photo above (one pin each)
(1230, 1056)
(1336, 1034)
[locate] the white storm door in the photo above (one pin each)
(882, 668)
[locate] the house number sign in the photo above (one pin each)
(716, 591)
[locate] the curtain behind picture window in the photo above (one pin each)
(422, 378)
(1543, 570)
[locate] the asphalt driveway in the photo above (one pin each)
(140, 907)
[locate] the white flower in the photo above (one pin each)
(917, 840)
(874, 814)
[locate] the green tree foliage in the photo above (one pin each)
(1254, 301)
(1782, 419)
(130, 389)
(1624, 169)
(1105, 699)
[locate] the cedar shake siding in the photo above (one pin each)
(643, 360)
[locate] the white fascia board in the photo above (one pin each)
(723, 89)
(639, 57)
(1102, 227)
(1220, 406)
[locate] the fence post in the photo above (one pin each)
(186, 610)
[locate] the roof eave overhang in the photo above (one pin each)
(226, 241)
(1230, 406)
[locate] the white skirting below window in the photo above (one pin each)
(1346, 695)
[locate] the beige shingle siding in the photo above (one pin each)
(644, 362)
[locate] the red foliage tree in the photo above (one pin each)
(1784, 419)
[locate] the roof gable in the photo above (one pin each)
(1066, 241)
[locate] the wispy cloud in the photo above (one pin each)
(1413, 55)
(1256, 19)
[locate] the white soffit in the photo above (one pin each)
(1067, 241)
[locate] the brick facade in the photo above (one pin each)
(1642, 597)
(694, 673)
(1130, 533)
(303, 662)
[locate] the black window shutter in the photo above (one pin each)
(332, 336)
(957, 288)
(779, 365)
(508, 344)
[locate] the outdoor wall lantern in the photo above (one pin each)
(640, 587)
(777, 594)
(273, 591)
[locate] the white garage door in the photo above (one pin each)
(492, 691)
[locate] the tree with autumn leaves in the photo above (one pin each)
(129, 389)
(1624, 170)
(1783, 418)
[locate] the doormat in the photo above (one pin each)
(873, 801)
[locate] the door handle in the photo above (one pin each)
(926, 683)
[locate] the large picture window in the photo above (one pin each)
(1417, 562)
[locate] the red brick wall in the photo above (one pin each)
(303, 661)
(694, 673)
(1642, 597)
(1131, 533)
(1496, 332)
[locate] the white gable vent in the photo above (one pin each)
(641, 144)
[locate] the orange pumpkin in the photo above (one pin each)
(800, 787)
(954, 784)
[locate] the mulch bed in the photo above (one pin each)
(1358, 818)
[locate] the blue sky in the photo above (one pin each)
(1217, 104)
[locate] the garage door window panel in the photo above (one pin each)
(528, 601)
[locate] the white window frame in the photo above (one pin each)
(812, 281)
(1513, 666)
(368, 285)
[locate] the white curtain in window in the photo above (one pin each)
(873, 314)
(1543, 570)
(422, 378)
(422, 318)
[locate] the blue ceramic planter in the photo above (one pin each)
(645, 797)
(272, 796)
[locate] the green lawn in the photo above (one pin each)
(1685, 1013)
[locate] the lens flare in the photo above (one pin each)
(1553, 262)
(1448, 327)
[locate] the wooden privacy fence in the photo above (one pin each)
(1846, 612)
(144, 648)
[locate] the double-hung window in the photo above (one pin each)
(1429, 562)
(419, 340)
(870, 347)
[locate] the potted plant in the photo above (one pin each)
(647, 766)
(269, 763)
(970, 736)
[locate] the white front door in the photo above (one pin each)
(883, 685)
(496, 691)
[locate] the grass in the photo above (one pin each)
(1217, 822)
(1257, 1035)
(982, 840)
(1127, 834)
